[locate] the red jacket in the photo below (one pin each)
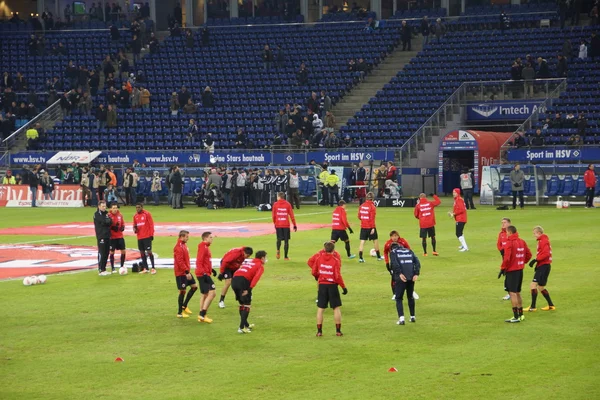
(516, 254)
(252, 271)
(391, 173)
(181, 259)
(388, 245)
(589, 178)
(233, 259)
(203, 263)
(502, 238)
(312, 261)
(544, 251)
(117, 219)
(339, 220)
(143, 224)
(366, 213)
(460, 211)
(282, 213)
(425, 213)
(326, 268)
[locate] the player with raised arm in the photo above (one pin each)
(230, 263)
(366, 214)
(326, 269)
(282, 214)
(542, 263)
(425, 213)
(183, 276)
(339, 224)
(244, 280)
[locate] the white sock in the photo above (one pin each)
(462, 241)
(402, 318)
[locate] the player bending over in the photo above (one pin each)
(244, 280)
(230, 263)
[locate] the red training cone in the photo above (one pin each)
(119, 359)
(393, 369)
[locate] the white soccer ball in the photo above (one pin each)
(373, 253)
(33, 279)
(123, 271)
(41, 279)
(27, 281)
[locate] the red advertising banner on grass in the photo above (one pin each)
(20, 196)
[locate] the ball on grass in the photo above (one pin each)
(373, 253)
(27, 281)
(33, 279)
(123, 271)
(41, 279)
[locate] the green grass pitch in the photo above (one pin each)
(60, 340)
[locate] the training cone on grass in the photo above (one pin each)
(393, 369)
(119, 359)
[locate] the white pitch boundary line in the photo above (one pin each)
(50, 240)
(270, 218)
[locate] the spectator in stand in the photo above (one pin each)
(439, 29)
(595, 42)
(296, 139)
(583, 51)
(60, 50)
(567, 49)
(302, 75)
(107, 68)
(313, 103)
(190, 107)
(425, 30)
(575, 140)
(557, 122)
(110, 81)
(22, 112)
(7, 81)
(111, 117)
(324, 104)
(83, 76)
(114, 33)
(240, 139)
(267, 57)
(519, 140)
(192, 132)
(153, 44)
(543, 70)
(135, 98)
(516, 71)
(145, 97)
(277, 140)
(347, 142)
(124, 66)
(537, 140)
(93, 82)
(528, 74)
(32, 111)
(561, 68)
(189, 39)
(136, 47)
(123, 97)
(32, 136)
(111, 96)
(85, 104)
(406, 35)
(570, 121)
(175, 30)
(209, 143)
(279, 122)
(581, 124)
(33, 46)
(329, 120)
(101, 115)
(174, 103)
(290, 128)
(332, 142)
(184, 96)
(208, 99)
(20, 83)
(65, 104)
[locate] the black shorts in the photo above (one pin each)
(541, 274)
(183, 282)
(337, 234)
(425, 232)
(239, 284)
(283, 233)
(513, 281)
(117, 244)
(145, 244)
(365, 234)
(329, 294)
(460, 227)
(206, 284)
(228, 274)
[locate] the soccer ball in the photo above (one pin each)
(27, 281)
(373, 253)
(123, 271)
(33, 279)
(41, 279)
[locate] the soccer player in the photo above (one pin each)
(244, 280)
(117, 242)
(541, 262)
(405, 271)
(326, 270)
(339, 224)
(425, 213)
(143, 227)
(203, 271)
(394, 238)
(459, 213)
(102, 224)
(183, 277)
(367, 213)
(282, 213)
(230, 263)
(516, 254)
(502, 238)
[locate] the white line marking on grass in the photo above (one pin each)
(271, 218)
(63, 238)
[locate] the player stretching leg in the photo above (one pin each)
(543, 260)
(425, 213)
(230, 263)
(326, 270)
(516, 254)
(339, 224)
(244, 280)
(183, 277)
(282, 213)
(366, 214)
(203, 271)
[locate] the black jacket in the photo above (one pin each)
(404, 261)
(102, 224)
(176, 182)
